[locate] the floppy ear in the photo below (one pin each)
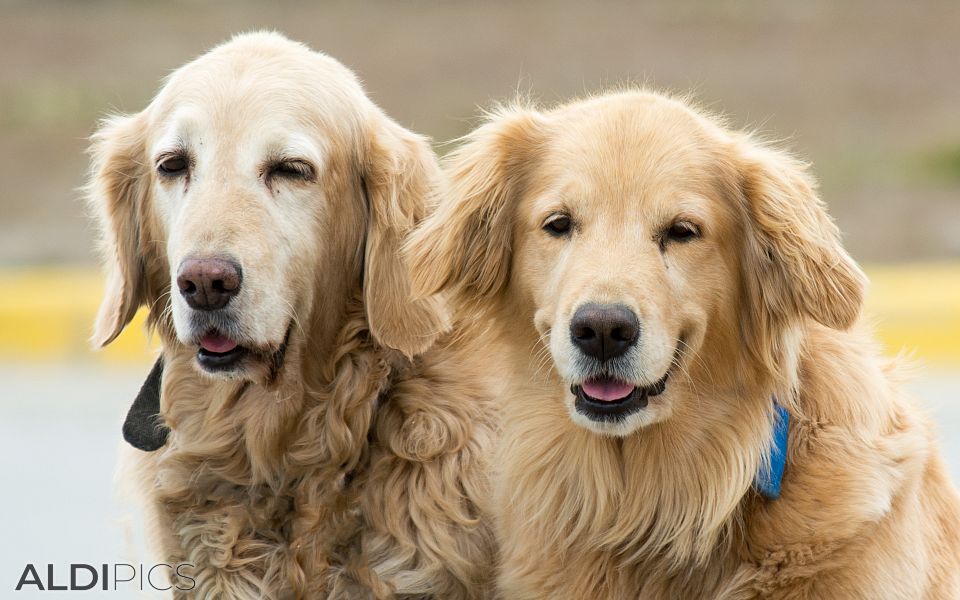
(464, 246)
(797, 264)
(116, 192)
(402, 178)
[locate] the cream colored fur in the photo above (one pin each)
(350, 461)
(763, 302)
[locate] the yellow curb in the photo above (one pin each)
(47, 314)
(916, 308)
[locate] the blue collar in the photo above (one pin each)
(768, 478)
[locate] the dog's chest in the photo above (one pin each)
(294, 532)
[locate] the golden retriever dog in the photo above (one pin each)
(694, 410)
(327, 437)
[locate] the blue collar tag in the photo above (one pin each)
(768, 478)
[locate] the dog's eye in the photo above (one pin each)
(558, 225)
(682, 231)
(173, 165)
(292, 169)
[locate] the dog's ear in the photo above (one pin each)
(402, 179)
(463, 247)
(116, 192)
(797, 265)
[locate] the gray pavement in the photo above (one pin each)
(59, 436)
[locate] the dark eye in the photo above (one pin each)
(173, 165)
(558, 225)
(682, 231)
(292, 169)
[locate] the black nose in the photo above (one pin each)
(208, 283)
(604, 331)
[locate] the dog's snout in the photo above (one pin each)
(604, 331)
(208, 283)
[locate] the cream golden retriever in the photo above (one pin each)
(682, 320)
(327, 438)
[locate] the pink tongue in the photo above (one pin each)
(217, 343)
(607, 389)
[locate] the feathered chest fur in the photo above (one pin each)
(268, 479)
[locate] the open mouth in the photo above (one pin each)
(608, 399)
(217, 352)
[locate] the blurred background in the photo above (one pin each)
(868, 91)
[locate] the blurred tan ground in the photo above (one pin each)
(869, 91)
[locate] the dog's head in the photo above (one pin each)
(647, 248)
(250, 198)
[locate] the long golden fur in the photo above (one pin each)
(744, 293)
(347, 457)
